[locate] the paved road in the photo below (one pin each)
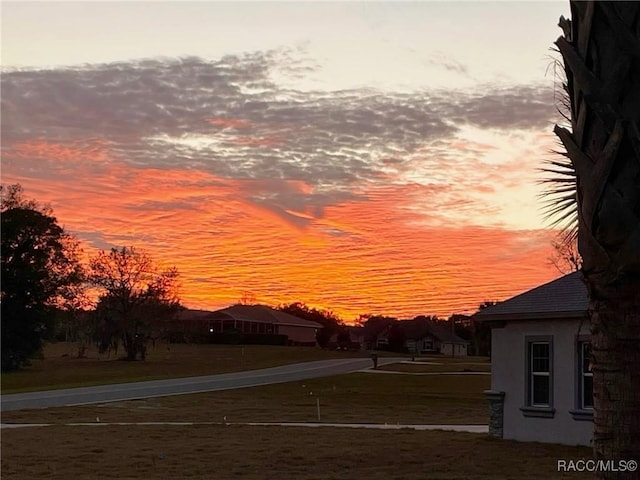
(181, 386)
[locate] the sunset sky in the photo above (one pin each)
(360, 157)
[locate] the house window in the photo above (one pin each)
(585, 376)
(539, 374)
(584, 381)
(539, 377)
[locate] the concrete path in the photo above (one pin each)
(393, 372)
(182, 386)
(382, 426)
(420, 362)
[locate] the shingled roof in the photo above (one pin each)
(263, 314)
(565, 297)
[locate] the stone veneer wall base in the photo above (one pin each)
(496, 412)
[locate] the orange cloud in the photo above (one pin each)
(95, 150)
(229, 123)
(378, 253)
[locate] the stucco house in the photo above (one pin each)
(421, 335)
(348, 338)
(541, 384)
(426, 336)
(376, 333)
(243, 323)
(357, 335)
(260, 319)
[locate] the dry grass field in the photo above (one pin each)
(263, 453)
(357, 397)
(103, 450)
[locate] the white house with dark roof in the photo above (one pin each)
(541, 384)
(424, 336)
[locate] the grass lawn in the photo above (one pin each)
(357, 397)
(59, 368)
(252, 453)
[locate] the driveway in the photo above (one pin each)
(182, 386)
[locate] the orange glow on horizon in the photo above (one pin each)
(375, 254)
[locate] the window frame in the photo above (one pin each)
(531, 409)
(583, 374)
(581, 411)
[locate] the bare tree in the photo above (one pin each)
(248, 298)
(565, 257)
(137, 297)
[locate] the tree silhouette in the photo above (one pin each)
(565, 257)
(331, 323)
(137, 297)
(39, 263)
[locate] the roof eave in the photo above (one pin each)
(306, 325)
(515, 317)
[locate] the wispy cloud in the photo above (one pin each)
(442, 60)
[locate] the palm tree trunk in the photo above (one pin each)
(616, 372)
(601, 52)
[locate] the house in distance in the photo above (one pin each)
(254, 324)
(426, 336)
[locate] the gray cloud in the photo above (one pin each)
(515, 107)
(230, 118)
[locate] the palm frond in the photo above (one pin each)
(559, 203)
(559, 195)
